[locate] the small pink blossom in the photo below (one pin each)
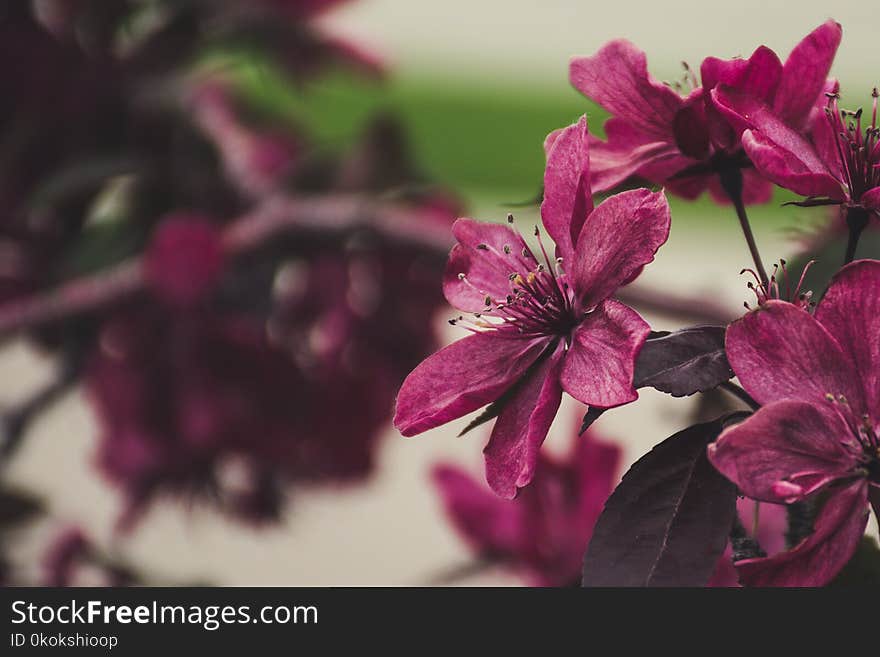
(540, 325)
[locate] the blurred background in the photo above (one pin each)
(471, 88)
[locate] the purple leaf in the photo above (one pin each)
(667, 522)
(685, 362)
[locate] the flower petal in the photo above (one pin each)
(779, 152)
(521, 427)
(567, 195)
(617, 78)
(481, 254)
(630, 151)
(599, 365)
(781, 352)
(805, 72)
(850, 311)
(599, 470)
(691, 129)
(460, 378)
(815, 561)
(871, 199)
(492, 527)
(619, 238)
(756, 77)
(792, 164)
(784, 452)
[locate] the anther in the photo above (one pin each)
(510, 217)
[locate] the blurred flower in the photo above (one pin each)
(816, 436)
(675, 136)
(540, 327)
(202, 403)
(60, 116)
(184, 260)
(543, 533)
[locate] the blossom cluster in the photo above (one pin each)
(542, 320)
(216, 279)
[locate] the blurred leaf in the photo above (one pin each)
(829, 256)
(667, 522)
(593, 413)
(101, 245)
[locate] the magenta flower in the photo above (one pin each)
(676, 137)
(818, 432)
(540, 327)
(184, 260)
(544, 532)
(836, 162)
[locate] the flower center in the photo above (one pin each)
(865, 436)
(858, 148)
(539, 301)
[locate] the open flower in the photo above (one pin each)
(544, 325)
(676, 137)
(544, 532)
(818, 433)
(836, 162)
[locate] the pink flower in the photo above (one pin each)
(540, 327)
(184, 260)
(544, 532)
(817, 432)
(835, 162)
(679, 139)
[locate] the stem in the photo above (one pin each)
(740, 394)
(14, 423)
(857, 219)
(732, 183)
